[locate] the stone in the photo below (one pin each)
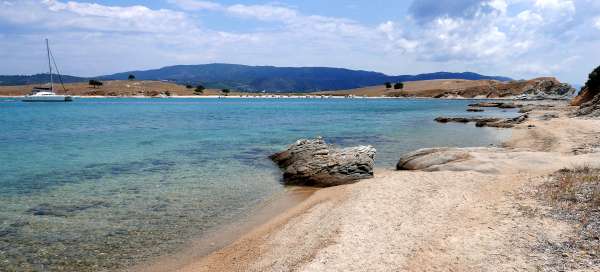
(313, 162)
(472, 109)
(444, 119)
(428, 157)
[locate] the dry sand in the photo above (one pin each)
(472, 215)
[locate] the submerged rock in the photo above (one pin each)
(484, 121)
(315, 163)
(65, 210)
(487, 104)
(444, 119)
(472, 109)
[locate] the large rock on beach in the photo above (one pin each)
(313, 162)
(426, 158)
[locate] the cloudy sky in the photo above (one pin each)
(516, 38)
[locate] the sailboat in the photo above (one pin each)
(47, 94)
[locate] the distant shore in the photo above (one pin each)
(450, 219)
(272, 96)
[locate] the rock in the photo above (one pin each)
(474, 109)
(312, 162)
(547, 88)
(486, 104)
(548, 116)
(507, 106)
(65, 210)
(484, 121)
(530, 107)
(428, 157)
(503, 123)
(443, 119)
(584, 96)
(590, 108)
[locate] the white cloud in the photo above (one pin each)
(561, 5)
(263, 12)
(90, 16)
(196, 5)
(508, 37)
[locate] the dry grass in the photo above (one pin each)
(574, 196)
(117, 88)
(575, 189)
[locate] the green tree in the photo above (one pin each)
(199, 89)
(388, 85)
(95, 83)
(131, 77)
(593, 83)
(225, 91)
(399, 86)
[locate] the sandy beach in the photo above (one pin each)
(477, 214)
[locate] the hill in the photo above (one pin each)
(266, 78)
(36, 79)
(545, 87)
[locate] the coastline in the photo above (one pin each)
(459, 216)
(286, 97)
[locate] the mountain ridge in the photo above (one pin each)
(260, 78)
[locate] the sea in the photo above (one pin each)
(104, 184)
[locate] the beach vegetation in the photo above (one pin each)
(399, 86)
(131, 77)
(226, 91)
(199, 90)
(388, 85)
(95, 83)
(188, 86)
(593, 83)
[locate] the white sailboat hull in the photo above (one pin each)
(47, 98)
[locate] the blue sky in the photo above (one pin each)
(516, 38)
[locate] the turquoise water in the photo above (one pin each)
(105, 183)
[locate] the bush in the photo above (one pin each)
(199, 89)
(189, 86)
(131, 77)
(388, 85)
(399, 86)
(593, 83)
(95, 83)
(225, 91)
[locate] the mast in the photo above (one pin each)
(49, 66)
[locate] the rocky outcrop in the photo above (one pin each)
(590, 108)
(547, 88)
(313, 162)
(426, 158)
(503, 123)
(443, 119)
(474, 109)
(485, 121)
(500, 105)
(534, 89)
(486, 104)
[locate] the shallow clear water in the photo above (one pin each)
(104, 183)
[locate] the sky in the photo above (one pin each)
(515, 38)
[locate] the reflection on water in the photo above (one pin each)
(101, 184)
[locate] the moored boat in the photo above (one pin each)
(47, 94)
